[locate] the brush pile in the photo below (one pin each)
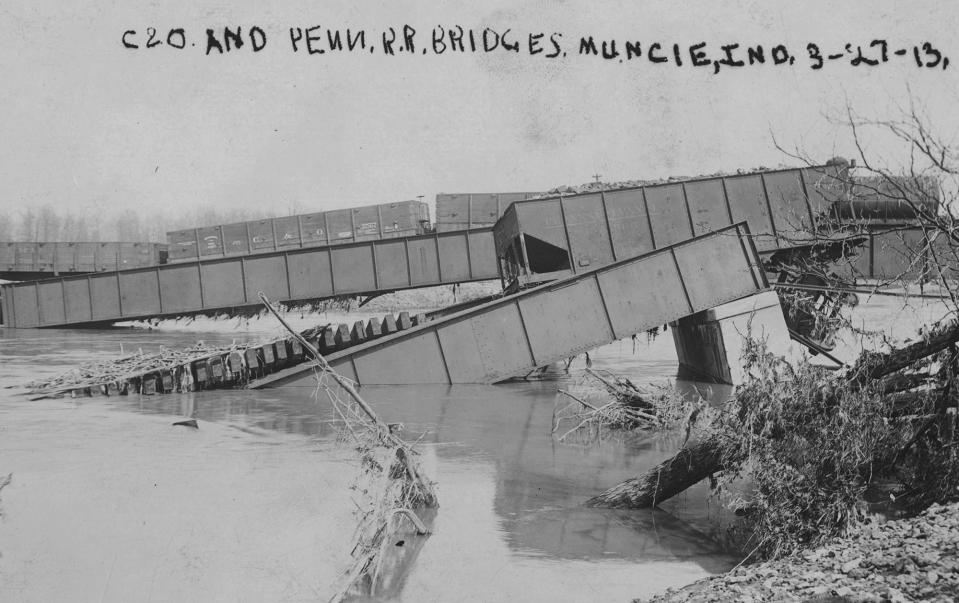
(607, 405)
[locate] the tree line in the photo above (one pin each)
(48, 223)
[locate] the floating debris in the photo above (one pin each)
(163, 372)
(629, 409)
(392, 485)
(202, 366)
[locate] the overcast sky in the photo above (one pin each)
(87, 123)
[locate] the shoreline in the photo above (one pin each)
(915, 559)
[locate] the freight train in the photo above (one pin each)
(335, 227)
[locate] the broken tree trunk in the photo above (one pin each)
(875, 365)
(674, 475)
(901, 382)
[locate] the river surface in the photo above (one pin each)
(110, 502)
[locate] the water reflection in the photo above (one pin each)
(538, 485)
(638, 536)
(397, 561)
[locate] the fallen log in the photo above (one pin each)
(876, 365)
(900, 382)
(667, 479)
(695, 463)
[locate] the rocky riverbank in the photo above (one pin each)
(913, 559)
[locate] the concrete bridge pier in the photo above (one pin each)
(710, 343)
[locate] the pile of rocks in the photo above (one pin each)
(913, 559)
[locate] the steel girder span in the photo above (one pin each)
(224, 285)
(535, 327)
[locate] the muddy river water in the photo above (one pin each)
(110, 502)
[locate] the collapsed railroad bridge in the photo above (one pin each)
(579, 270)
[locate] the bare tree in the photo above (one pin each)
(48, 224)
(6, 228)
(126, 226)
(27, 230)
(910, 210)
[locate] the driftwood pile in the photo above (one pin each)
(624, 407)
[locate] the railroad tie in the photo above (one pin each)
(359, 332)
(373, 328)
(389, 324)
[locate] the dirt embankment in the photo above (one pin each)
(913, 559)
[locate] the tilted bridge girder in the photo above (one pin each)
(512, 335)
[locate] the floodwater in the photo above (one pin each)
(110, 502)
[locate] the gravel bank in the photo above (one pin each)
(913, 559)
